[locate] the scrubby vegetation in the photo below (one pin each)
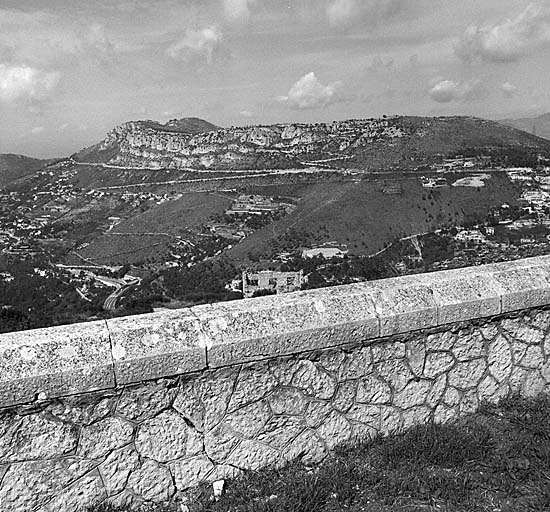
(495, 460)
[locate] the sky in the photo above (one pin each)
(70, 70)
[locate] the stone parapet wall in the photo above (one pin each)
(142, 408)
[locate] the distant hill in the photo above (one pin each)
(371, 144)
(537, 125)
(13, 167)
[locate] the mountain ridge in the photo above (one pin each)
(14, 166)
(390, 142)
(539, 124)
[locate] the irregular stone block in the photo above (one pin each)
(145, 401)
(307, 447)
(54, 362)
(467, 374)
(436, 393)
(249, 420)
(116, 469)
(391, 420)
(313, 380)
(452, 397)
(356, 365)
(441, 341)
(288, 401)
(219, 442)
(418, 415)
(469, 346)
(415, 393)
(254, 329)
(86, 491)
(34, 437)
(316, 412)
(444, 414)
(533, 385)
(29, 485)
(416, 355)
(345, 396)
(253, 455)
(530, 335)
(371, 390)
(281, 430)
(394, 371)
(191, 472)
(104, 436)
(156, 345)
(167, 437)
(367, 414)
(335, 430)
(500, 358)
(83, 409)
(489, 390)
(382, 351)
(152, 482)
(254, 383)
(189, 403)
(532, 358)
(438, 363)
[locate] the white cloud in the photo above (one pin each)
(25, 83)
(509, 89)
(237, 10)
(507, 41)
(309, 92)
(37, 129)
(446, 91)
(246, 113)
(197, 43)
(341, 13)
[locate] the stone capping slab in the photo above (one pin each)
(52, 362)
(155, 345)
(79, 358)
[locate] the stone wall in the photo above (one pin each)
(142, 408)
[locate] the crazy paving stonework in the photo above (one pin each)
(152, 441)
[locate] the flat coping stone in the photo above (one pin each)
(253, 329)
(53, 362)
(155, 345)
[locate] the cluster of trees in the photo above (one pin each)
(31, 300)
(201, 283)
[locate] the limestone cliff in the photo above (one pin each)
(368, 143)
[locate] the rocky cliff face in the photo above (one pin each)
(395, 142)
(150, 145)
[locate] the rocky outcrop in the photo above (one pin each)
(390, 142)
(150, 145)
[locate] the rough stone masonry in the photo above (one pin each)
(177, 398)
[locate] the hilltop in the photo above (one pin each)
(539, 125)
(370, 144)
(13, 167)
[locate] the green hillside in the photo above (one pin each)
(13, 167)
(365, 218)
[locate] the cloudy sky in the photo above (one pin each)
(72, 69)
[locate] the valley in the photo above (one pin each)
(332, 204)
